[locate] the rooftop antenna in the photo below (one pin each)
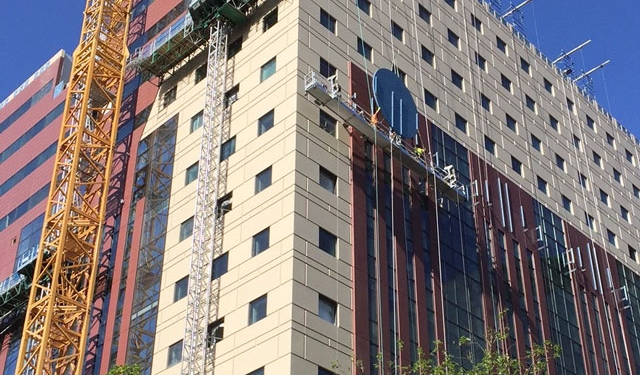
(567, 62)
(563, 55)
(515, 9)
(516, 16)
(585, 74)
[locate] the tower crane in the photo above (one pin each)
(54, 337)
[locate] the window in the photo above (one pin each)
(457, 79)
(327, 123)
(481, 61)
(597, 159)
(548, 86)
(427, 55)
(327, 69)
(461, 123)
(224, 204)
(633, 254)
(610, 140)
(567, 204)
(231, 95)
(196, 121)
(636, 191)
(536, 143)
(553, 123)
(604, 197)
(430, 99)
(506, 82)
(257, 309)
(265, 122)
(590, 122)
(180, 289)
(501, 44)
(584, 181)
(327, 241)
(611, 237)
(560, 162)
(327, 180)
(475, 22)
(259, 371)
(397, 31)
(453, 38)
(511, 123)
(260, 242)
(263, 180)
(234, 47)
(328, 21)
(485, 102)
(191, 174)
(543, 186)
(186, 228)
(169, 96)
(267, 69)
(531, 104)
(630, 157)
(617, 176)
(228, 148)
(327, 309)
(200, 73)
(270, 19)
(365, 6)
(570, 105)
(324, 371)
(577, 143)
(525, 66)
(220, 266)
(624, 214)
(590, 221)
(215, 332)
(175, 354)
(424, 13)
(364, 49)
(516, 165)
(489, 145)
(451, 3)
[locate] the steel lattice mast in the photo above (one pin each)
(55, 333)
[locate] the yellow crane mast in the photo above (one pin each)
(55, 332)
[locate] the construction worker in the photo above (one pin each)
(418, 151)
(375, 118)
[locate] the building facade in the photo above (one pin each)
(330, 245)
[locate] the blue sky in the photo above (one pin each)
(32, 32)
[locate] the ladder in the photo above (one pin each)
(202, 304)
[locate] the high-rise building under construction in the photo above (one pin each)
(267, 216)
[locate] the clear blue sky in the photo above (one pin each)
(31, 32)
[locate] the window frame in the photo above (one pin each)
(186, 229)
(263, 179)
(257, 309)
(328, 21)
(260, 242)
(270, 19)
(191, 173)
(327, 242)
(174, 353)
(181, 289)
(266, 122)
(364, 49)
(227, 148)
(327, 180)
(268, 69)
(327, 309)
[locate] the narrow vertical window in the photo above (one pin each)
(268, 69)
(328, 21)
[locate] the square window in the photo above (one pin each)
(511, 123)
(516, 165)
(259, 371)
(327, 123)
(590, 122)
(327, 241)
(191, 174)
(611, 237)
(186, 228)
(485, 102)
(543, 186)
(461, 123)
(175, 354)
(328, 21)
(327, 180)
(327, 309)
(231, 95)
(220, 266)
(365, 6)
(326, 69)
(577, 143)
(553, 123)
(536, 143)
(604, 197)
(570, 105)
(200, 73)
(234, 47)
(624, 214)
(397, 31)
(489, 145)
(481, 61)
(430, 99)
(427, 55)
(424, 14)
(453, 38)
(181, 288)
(228, 148)
(263, 180)
(270, 19)
(506, 82)
(501, 44)
(257, 310)
(196, 121)
(633, 254)
(525, 66)
(268, 69)
(610, 140)
(364, 49)
(265, 122)
(636, 191)
(560, 162)
(597, 159)
(260, 242)
(169, 96)
(567, 204)
(531, 104)
(617, 175)
(451, 3)
(630, 157)
(457, 79)
(548, 86)
(475, 22)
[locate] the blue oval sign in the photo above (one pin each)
(395, 102)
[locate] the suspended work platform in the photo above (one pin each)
(326, 92)
(14, 290)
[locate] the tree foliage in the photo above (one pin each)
(125, 370)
